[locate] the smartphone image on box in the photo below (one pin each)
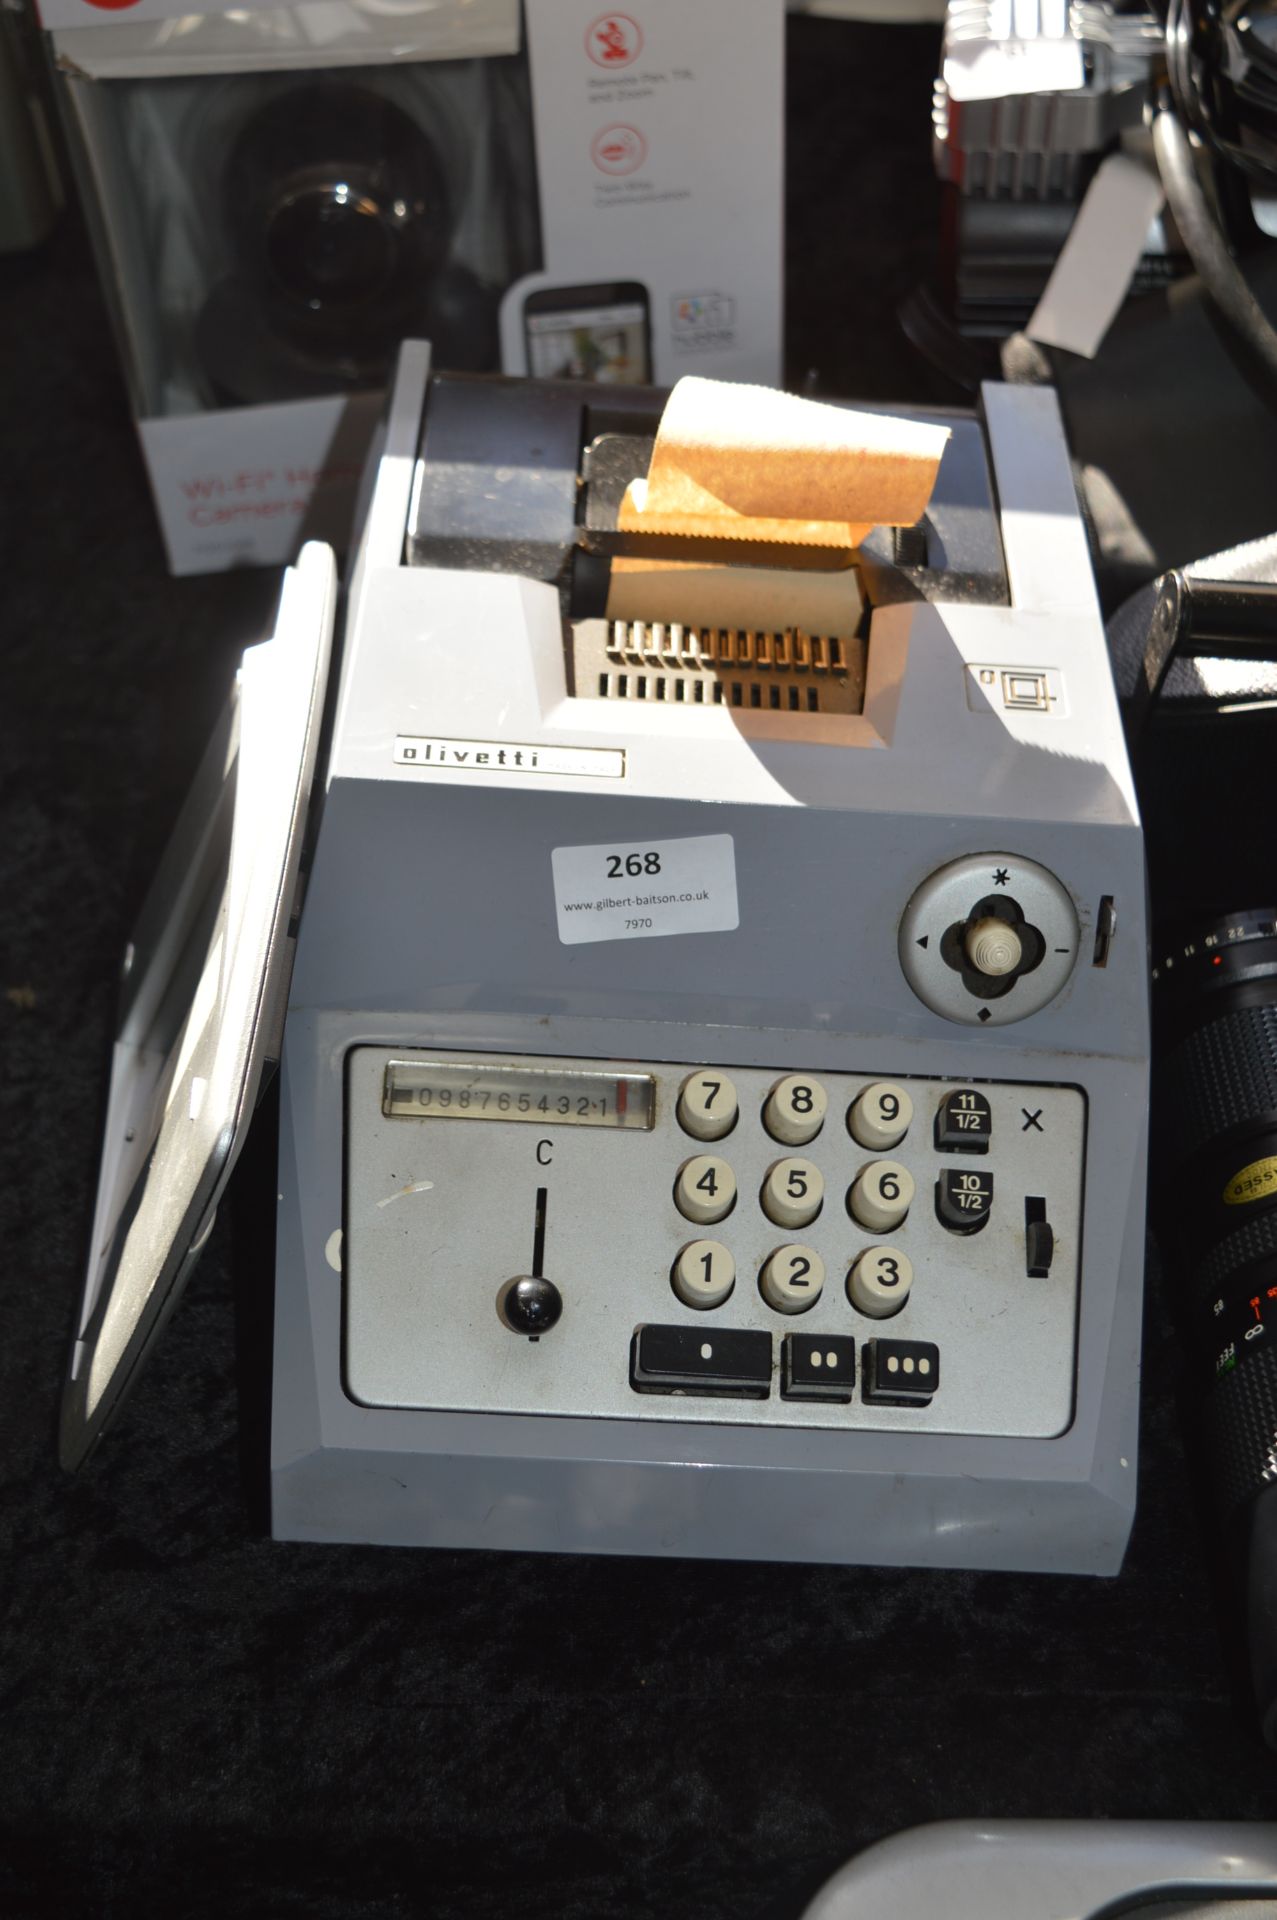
(600, 332)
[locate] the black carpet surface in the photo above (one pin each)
(197, 1721)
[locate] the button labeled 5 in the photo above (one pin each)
(705, 1189)
(707, 1105)
(793, 1193)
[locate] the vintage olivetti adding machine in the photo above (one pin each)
(711, 1002)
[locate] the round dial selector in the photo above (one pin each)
(793, 1192)
(993, 947)
(704, 1274)
(795, 1110)
(880, 1116)
(705, 1189)
(879, 1282)
(881, 1195)
(989, 939)
(792, 1278)
(707, 1105)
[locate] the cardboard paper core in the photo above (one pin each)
(748, 599)
(747, 463)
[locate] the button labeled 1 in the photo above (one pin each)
(704, 1274)
(705, 1190)
(881, 1195)
(707, 1105)
(880, 1116)
(795, 1110)
(793, 1193)
(879, 1282)
(792, 1279)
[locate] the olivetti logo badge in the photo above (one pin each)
(701, 322)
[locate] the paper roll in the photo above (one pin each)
(748, 463)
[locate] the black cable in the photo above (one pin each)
(1208, 251)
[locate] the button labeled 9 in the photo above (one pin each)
(880, 1116)
(881, 1195)
(793, 1192)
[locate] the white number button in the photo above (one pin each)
(707, 1105)
(881, 1195)
(880, 1115)
(793, 1193)
(704, 1274)
(792, 1278)
(879, 1282)
(705, 1189)
(795, 1109)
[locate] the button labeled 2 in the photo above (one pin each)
(792, 1279)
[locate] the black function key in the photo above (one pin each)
(1039, 1238)
(964, 1122)
(900, 1373)
(817, 1366)
(701, 1360)
(964, 1199)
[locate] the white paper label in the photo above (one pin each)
(1097, 262)
(642, 889)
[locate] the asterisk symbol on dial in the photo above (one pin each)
(1001, 877)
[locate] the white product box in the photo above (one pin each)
(279, 194)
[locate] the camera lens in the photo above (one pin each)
(329, 245)
(1215, 1156)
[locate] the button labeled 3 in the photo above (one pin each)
(879, 1282)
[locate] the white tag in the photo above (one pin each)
(1097, 262)
(641, 889)
(995, 69)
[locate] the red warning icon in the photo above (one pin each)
(613, 40)
(618, 150)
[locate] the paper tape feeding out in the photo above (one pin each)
(747, 463)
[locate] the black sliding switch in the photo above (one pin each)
(1039, 1238)
(720, 1360)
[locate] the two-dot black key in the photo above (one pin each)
(817, 1366)
(730, 1361)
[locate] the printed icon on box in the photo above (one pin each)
(702, 312)
(613, 40)
(618, 150)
